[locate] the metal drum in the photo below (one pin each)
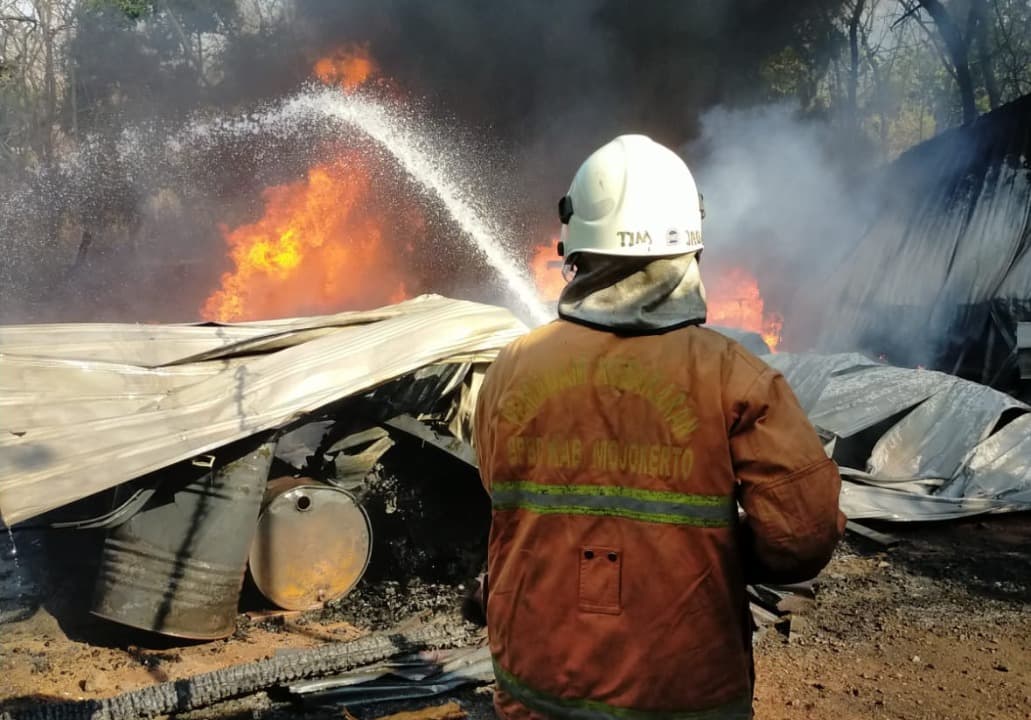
(312, 544)
(177, 566)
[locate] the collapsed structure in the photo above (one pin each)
(205, 449)
(92, 406)
(914, 444)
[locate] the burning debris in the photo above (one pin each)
(350, 68)
(322, 243)
(325, 243)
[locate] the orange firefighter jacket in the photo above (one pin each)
(617, 561)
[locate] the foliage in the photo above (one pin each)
(906, 75)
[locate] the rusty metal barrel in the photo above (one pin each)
(178, 565)
(312, 544)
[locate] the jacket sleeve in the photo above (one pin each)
(788, 486)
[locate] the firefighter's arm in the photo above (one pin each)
(788, 486)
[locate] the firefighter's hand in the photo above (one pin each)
(474, 604)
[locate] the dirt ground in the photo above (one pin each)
(937, 626)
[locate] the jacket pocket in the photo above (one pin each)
(601, 570)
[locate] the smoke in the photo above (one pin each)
(782, 201)
(529, 89)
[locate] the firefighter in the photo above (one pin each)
(642, 470)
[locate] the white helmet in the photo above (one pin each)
(632, 197)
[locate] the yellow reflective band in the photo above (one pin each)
(613, 501)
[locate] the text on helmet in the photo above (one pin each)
(631, 238)
(628, 238)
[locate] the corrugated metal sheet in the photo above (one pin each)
(861, 397)
(111, 405)
(945, 456)
(808, 374)
(998, 467)
(158, 345)
(933, 440)
(871, 502)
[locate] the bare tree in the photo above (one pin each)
(853, 70)
(980, 28)
(957, 49)
(33, 36)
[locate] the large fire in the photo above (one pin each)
(732, 297)
(319, 246)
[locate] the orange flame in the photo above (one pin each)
(314, 250)
(546, 267)
(350, 67)
(733, 300)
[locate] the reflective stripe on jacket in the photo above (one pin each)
(617, 562)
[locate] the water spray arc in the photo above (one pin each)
(414, 152)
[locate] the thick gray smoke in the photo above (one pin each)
(924, 262)
(124, 232)
(783, 202)
(549, 82)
